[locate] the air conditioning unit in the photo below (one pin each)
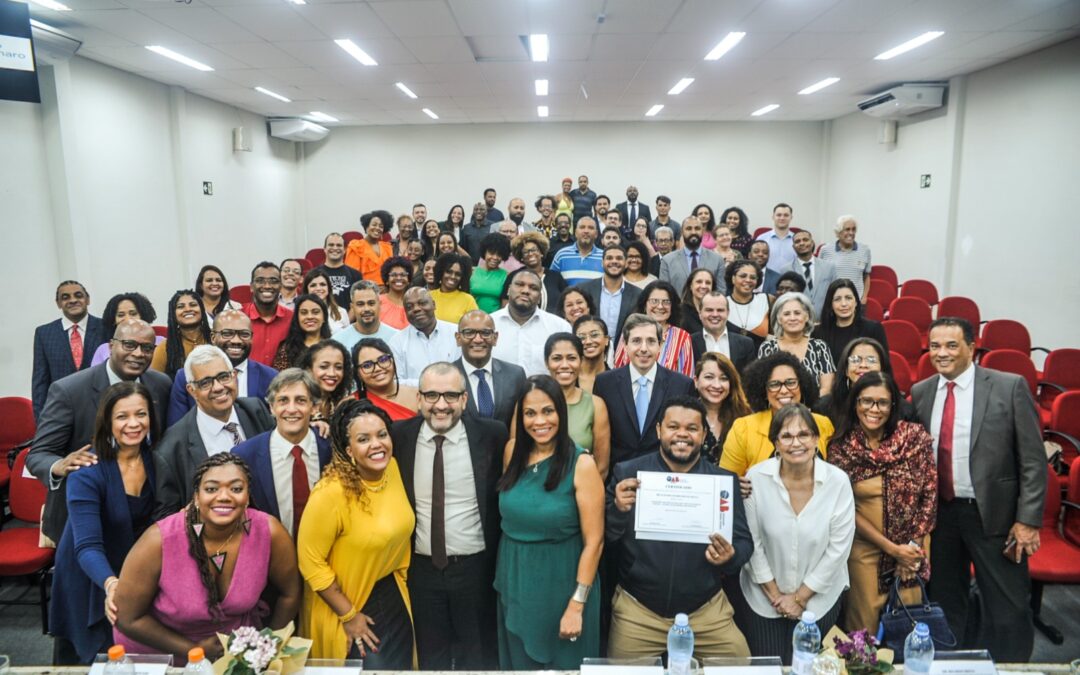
(904, 100)
(293, 129)
(52, 45)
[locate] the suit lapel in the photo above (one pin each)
(480, 461)
(626, 392)
(925, 404)
(659, 395)
(470, 403)
(196, 449)
(983, 384)
(264, 470)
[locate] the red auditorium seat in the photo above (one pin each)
(1061, 371)
(1007, 334)
(15, 433)
(241, 293)
(964, 308)
(161, 331)
(901, 372)
(915, 311)
(20, 554)
(1064, 429)
(904, 340)
(881, 291)
(305, 265)
(886, 274)
(872, 310)
(920, 288)
(351, 235)
(1070, 523)
(925, 368)
(317, 256)
(1056, 562)
(1019, 363)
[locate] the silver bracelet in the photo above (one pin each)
(581, 593)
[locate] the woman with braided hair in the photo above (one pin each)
(355, 545)
(202, 571)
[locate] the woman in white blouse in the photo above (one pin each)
(801, 514)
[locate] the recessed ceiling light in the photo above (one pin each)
(52, 4)
(264, 90)
(909, 45)
(538, 46)
(766, 110)
(542, 111)
(655, 109)
(298, 2)
(179, 58)
(724, 46)
(541, 87)
(427, 111)
(321, 116)
(680, 86)
(355, 52)
(405, 90)
(818, 86)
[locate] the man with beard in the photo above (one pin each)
(341, 276)
(425, 340)
(232, 333)
(516, 215)
(581, 262)
(563, 238)
(584, 198)
(269, 320)
(645, 598)
(631, 210)
(759, 253)
(545, 206)
(665, 243)
(494, 215)
(522, 326)
(365, 309)
(601, 207)
(614, 297)
(675, 267)
(419, 214)
(475, 230)
(663, 219)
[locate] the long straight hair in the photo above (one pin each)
(524, 443)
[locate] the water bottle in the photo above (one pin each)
(826, 663)
(805, 644)
(919, 650)
(680, 646)
(197, 663)
(119, 663)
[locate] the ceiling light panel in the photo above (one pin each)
(52, 4)
(429, 113)
(405, 90)
(680, 86)
(909, 45)
(179, 58)
(766, 110)
(818, 86)
(541, 87)
(542, 111)
(322, 117)
(654, 110)
(354, 51)
(725, 46)
(538, 47)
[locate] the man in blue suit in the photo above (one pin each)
(57, 343)
(232, 333)
(287, 461)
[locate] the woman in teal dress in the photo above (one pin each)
(551, 499)
(488, 277)
(586, 415)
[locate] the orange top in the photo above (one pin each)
(362, 257)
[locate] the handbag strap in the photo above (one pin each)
(894, 605)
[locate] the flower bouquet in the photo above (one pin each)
(254, 652)
(859, 653)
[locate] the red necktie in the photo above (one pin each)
(438, 507)
(76, 346)
(945, 446)
(300, 488)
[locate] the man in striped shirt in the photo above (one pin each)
(583, 261)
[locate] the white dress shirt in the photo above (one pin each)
(414, 351)
(524, 344)
(241, 378)
(810, 548)
(474, 380)
(464, 531)
(964, 395)
(215, 437)
(720, 345)
(281, 464)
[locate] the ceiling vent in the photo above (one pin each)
(294, 129)
(904, 100)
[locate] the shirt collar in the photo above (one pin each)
(114, 377)
(635, 375)
(723, 333)
(963, 380)
(427, 434)
(281, 446)
(470, 368)
(771, 467)
(603, 287)
(212, 426)
(67, 323)
(241, 367)
(854, 246)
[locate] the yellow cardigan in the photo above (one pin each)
(748, 441)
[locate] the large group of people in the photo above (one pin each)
(425, 451)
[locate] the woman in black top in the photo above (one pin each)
(860, 356)
(842, 320)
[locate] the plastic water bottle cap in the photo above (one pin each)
(922, 630)
(808, 617)
(116, 652)
(195, 654)
(682, 620)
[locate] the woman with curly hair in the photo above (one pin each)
(720, 390)
(308, 326)
(396, 274)
(574, 303)
(739, 224)
(120, 308)
(187, 329)
(367, 254)
(489, 276)
(355, 544)
(203, 570)
(452, 299)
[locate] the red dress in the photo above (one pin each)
(396, 411)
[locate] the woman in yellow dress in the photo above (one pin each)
(354, 547)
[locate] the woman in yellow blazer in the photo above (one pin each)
(770, 383)
(354, 547)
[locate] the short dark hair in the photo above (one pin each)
(663, 198)
(419, 204)
(613, 247)
(266, 263)
(794, 277)
(599, 197)
(782, 205)
(570, 290)
(103, 439)
(332, 234)
(689, 402)
(760, 242)
(68, 282)
(788, 412)
(758, 372)
(487, 190)
(295, 260)
(142, 306)
(963, 324)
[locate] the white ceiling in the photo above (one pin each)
(626, 64)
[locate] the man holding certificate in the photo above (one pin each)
(679, 527)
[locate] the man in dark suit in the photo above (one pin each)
(759, 253)
(664, 239)
(676, 266)
(219, 422)
(817, 273)
(57, 343)
(232, 333)
(494, 386)
(450, 463)
(634, 393)
(66, 426)
(287, 461)
(614, 298)
(631, 210)
(991, 487)
(715, 336)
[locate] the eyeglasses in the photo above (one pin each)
(132, 345)
(859, 360)
(867, 403)
(788, 440)
(791, 384)
(434, 396)
(470, 333)
(591, 335)
(224, 377)
(659, 302)
(383, 362)
(228, 334)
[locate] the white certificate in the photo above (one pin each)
(683, 507)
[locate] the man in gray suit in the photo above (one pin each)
(613, 296)
(66, 426)
(218, 422)
(818, 273)
(676, 266)
(494, 386)
(991, 487)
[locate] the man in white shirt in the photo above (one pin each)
(523, 327)
(781, 251)
(366, 322)
(494, 385)
(715, 336)
(425, 340)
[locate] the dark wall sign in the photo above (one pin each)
(18, 73)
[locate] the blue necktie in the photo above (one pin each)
(485, 404)
(641, 402)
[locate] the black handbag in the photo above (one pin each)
(898, 620)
